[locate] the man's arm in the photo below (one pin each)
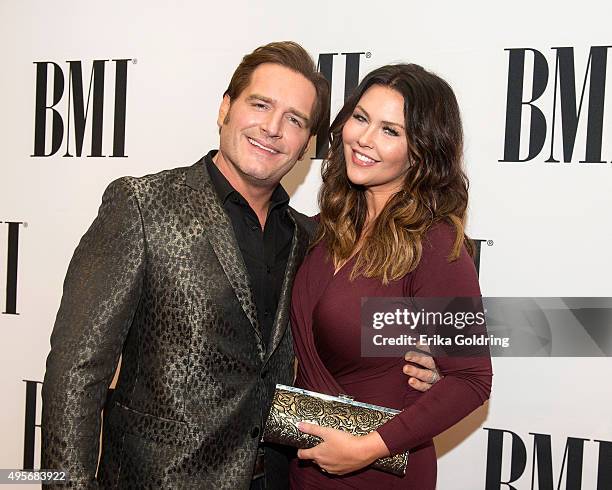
(421, 370)
(101, 293)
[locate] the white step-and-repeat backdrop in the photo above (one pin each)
(93, 91)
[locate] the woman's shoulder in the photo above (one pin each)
(441, 274)
(439, 239)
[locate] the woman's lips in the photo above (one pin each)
(362, 159)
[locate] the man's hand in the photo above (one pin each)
(424, 377)
(340, 452)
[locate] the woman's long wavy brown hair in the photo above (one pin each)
(435, 187)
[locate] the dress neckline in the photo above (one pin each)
(335, 272)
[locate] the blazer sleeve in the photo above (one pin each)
(101, 293)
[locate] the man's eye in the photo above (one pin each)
(295, 121)
(260, 105)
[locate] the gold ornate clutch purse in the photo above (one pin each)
(292, 405)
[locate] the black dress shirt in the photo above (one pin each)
(265, 252)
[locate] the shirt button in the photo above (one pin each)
(254, 432)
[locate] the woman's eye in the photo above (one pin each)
(390, 131)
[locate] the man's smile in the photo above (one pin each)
(257, 144)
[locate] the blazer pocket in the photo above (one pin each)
(150, 427)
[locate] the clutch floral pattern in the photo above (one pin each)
(291, 405)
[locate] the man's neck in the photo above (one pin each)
(258, 196)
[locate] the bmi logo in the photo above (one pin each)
(544, 474)
(67, 106)
(553, 109)
(478, 251)
(12, 263)
(351, 79)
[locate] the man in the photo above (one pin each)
(187, 274)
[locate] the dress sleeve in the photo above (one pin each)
(466, 382)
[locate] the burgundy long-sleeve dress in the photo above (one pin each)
(325, 321)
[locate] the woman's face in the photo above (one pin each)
(375, 144)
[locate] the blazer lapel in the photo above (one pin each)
(299, 245)
(218, 229)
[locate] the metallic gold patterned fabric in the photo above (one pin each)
(292, 405)
(159, 280)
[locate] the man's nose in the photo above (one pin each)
(272, 125)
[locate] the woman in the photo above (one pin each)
(393, 209)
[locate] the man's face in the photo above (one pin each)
(266, 129)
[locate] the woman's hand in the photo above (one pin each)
(340, 452)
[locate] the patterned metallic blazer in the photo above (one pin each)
(159, 280)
